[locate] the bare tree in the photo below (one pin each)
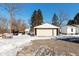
(11, 8)
(12, 25)
(3, 25)
(63, 17)
(21, 26)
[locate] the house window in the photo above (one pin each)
(72, 30)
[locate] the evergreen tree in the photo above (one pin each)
(70, 22)
(76, 18)
(55, 20)
(75, 21)
(36, 19)
(40, 17)
(32, 23)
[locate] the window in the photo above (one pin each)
(71, 29)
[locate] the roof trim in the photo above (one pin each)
(46, 25)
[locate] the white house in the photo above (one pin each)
(27, 30)
(46, 30)
(77, 29)
(69, 30)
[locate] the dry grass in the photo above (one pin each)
(58, 46)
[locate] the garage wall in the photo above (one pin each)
(55, 32)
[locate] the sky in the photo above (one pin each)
(48, 9)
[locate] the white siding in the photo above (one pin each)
(68, 30)
(77, 29)
(71, 32)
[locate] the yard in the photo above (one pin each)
(23, 44)
(50, 48)
(10, 46)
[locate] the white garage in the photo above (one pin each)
(46, 30)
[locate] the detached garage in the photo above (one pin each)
(46, 30)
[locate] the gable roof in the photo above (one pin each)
(71, 26)
(46, 25)
(68, 26)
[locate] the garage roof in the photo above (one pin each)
(46, 25)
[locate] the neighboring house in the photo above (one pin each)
(69, 30)
(46, 30)
(77, 29)
(27, 31)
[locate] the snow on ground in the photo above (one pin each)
(67, 36)
(9, 47)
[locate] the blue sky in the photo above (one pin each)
(48, 9)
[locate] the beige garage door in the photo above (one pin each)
(44, 32)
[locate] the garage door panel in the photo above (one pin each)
(44, 32)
